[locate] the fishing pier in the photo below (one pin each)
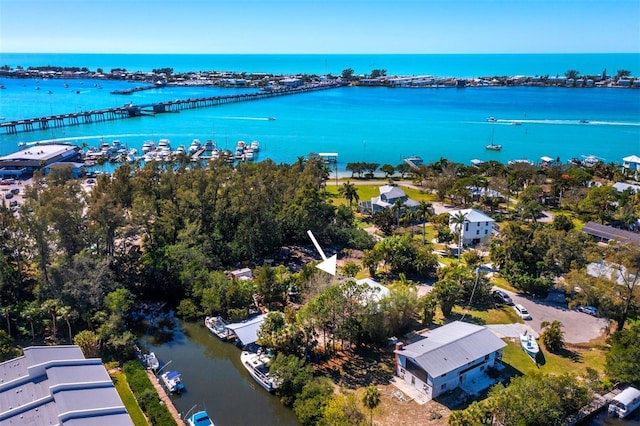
(130, 110)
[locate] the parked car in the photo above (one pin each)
(15, 191)
(502, 297)
(8, 195)
(591, 310)
(522, 312)
(13, 203)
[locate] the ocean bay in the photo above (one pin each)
(361, 124)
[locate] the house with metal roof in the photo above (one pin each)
(56, 385)
(632, 162)
(476, 227)
(606, 234)
(456, 354)
(389, 195)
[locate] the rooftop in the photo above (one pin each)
(51, 385)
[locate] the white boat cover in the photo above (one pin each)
(247, 331)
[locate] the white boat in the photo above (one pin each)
(257, 364)
(491, 119)
(151, 361)
(209, 145)
(172, 381)
(529, 344)
(164, 145)
(414, 159)
(148, 146)
(255, 146)
(195, 146)
(625, 403)
(218, 327)
(201, 418)
(493, 147)
(248, 154)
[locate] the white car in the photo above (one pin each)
(522, 312)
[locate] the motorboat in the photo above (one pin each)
(172, 381)
(257, 361)
(201, 418)
(529, 344)
(491, 119)
(414, 159)
(195, 146)
(255, 146)
(218, 327)
(151, 361)
(148, 146)
(625, 403)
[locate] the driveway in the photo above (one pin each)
(578, 327)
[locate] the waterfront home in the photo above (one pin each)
(57, 385)
(389, 196)
(373, 290)
(455, 355)
(631, 162)
(477, 226)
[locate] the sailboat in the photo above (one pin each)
(492, 146)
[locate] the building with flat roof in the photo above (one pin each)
(35, 157)
(57, 385)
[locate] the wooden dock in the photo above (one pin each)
(595, 406)
(130, 110)
(165, 398)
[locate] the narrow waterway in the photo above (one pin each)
(603, 419)
(216, 381)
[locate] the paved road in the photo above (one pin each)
(578, 327)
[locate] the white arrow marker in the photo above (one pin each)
(328, 265)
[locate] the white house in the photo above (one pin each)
(456, 354)
(477, 225)
(374, 290)
(387, 198)
(631, 162)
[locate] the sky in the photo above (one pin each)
(320, 26)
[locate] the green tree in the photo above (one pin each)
(371, 399)
(293, 373)
(351, 269)
(342, 410)
(552, 335)
(388, 170)
(349, 192)
(623, 356)
(310, 404)
(347, 74)
(8, 350)
(423, 211)
(89, 343)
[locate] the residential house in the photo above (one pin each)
(631, 162)
(477, 225)
(389, 195)
(606, 234)
(456, 354)
(374, 291)
(55, 385)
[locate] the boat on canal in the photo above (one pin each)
(151, 361)
(218, 327)
(172, 381)
(529, 344)
(257, 361)
(625, 403)
(201, 418)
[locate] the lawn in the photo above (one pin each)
(130, 402)
(570, 360)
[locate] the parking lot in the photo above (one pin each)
(578, 327)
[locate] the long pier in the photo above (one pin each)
(131, 110)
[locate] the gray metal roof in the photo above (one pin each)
(53, 385)
(247, 331)
(451, 346)
(610, 233)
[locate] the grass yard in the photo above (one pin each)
(571, 360)
(130, 402)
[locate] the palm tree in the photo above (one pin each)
(397, 207)
(424, 210)
(459, 219)
(349, 192)
(552, 336)
(371, 399)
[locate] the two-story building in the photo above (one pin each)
(476, 226)
(389, 195)
(450, 356)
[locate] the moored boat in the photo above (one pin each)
(218, 327)
(493, 147)
(151, 361)
(529, 344)
(625, 403)
(256, 361)
(201, 418)
(172, 381)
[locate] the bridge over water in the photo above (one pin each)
(131, 110)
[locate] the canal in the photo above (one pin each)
(215, 380)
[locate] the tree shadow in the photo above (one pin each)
(572, 355)
(467, 317)
(361, 367)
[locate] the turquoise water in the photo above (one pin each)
(360, 124)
